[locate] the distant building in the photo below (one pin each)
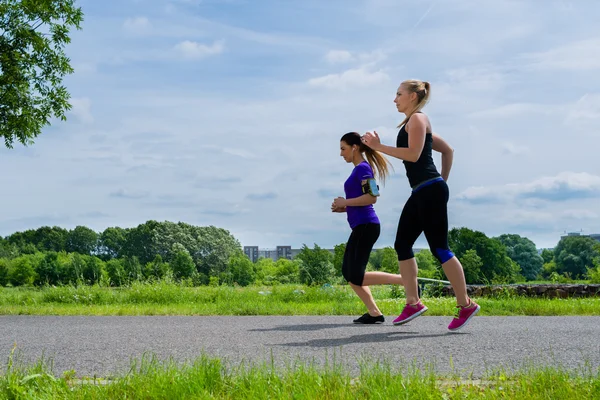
(268, 253)
(287, 252)
(595, 236)
(284, 252)
(251, 252)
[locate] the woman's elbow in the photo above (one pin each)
(414, 158)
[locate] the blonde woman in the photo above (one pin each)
(426, 209)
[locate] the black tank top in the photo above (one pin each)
(423, 169)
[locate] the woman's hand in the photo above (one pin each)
(371, 139)
(339, 202)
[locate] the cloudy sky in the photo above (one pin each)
(229, 113)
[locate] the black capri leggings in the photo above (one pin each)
(358, 250)
(425, 211)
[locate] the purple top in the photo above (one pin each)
(353, 187)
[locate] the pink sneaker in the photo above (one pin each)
(462, 315)
(409, 313)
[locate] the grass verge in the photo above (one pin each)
(211, 378)
(165, 298)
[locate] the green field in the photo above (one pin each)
(173, 299)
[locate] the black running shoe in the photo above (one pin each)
(368, 319)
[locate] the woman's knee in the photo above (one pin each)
(403, 250)
(443, 254)
(353, 276)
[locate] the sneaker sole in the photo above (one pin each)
(369, 323)
(415, 315)
(467, 321)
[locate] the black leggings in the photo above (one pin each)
(425, 211)
(358, 250)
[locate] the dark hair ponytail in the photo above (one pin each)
(377, 161)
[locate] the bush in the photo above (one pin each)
(22, 272)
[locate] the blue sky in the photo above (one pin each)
(229, 113)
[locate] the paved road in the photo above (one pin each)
(103, 346)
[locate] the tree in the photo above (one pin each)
(33, 64)
(22, 271)
(156, 268)
(497, 266)
(51, 239)
(140, 242)
(338, 257)
(74, 269)
(49, 270)
(111, 243)
(242, 269)
(182, 263)
(547, 255)
(429, 266)
(92, 270)
(8, 250)
(82, 240)
(215, 248)
(375, 259)
(389, 260)
(4, 268)
(315, 266)
(472, 264)
(132, 268)
(286, 271)
(575, 254)
(116, 272)
(523, 251)
(265, 270)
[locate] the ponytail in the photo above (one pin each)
(378, 163)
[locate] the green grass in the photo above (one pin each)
(212, 378)
(172, 299)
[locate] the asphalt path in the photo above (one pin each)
(106, 346)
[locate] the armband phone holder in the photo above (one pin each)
(371, 187)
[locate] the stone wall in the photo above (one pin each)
(543, 290)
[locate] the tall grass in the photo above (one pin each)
(212, 378)
(167, 298)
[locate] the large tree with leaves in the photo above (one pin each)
(523, 251)
(575, 254)
(33, 35)
(494, 263)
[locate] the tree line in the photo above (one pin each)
(208, 255)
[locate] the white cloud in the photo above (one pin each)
(137, 25)
(195, 50)
(338, 56)
(84, 68)
(586, 109)
(479, 78)
(580, 214)
(373, 57)
(129, 194)
(81, 109)
(564, 186)
(514, 149)
(357, 77)
(581, 55)
(517, 109)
